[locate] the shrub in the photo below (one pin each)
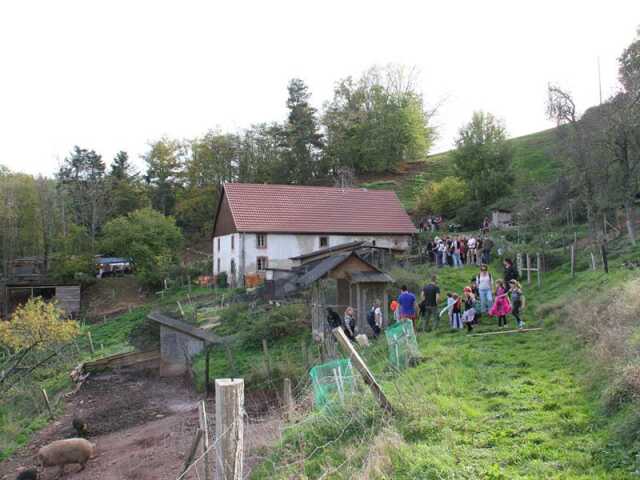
(221, 280)
(149, 238)
(444, 197)
(608, 325)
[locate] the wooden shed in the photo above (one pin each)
(340, 281)
(501, 219)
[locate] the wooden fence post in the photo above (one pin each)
(207, 382)
(539, 267)
(593, 261)
(573, 260)
(46, 402)
(230, 360)
(202, 416)
(288, 398)
(528, 257)
(363, 369)
(229, 428)
(267, 358)
(605, 260)
(93, 351)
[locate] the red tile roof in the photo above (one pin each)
(301, 209)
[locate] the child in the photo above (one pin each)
(501, 307)
(395, 308)
(468, 318)
(517, 301)
(450, 302)
(456, 315)
(349, 324)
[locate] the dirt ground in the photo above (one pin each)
(143, 427)
(112, 296)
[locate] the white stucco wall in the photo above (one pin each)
(226, 253)
(281, 247)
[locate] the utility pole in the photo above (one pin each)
(599, 81)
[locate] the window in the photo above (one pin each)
(218, 244)
(324, 242)
(233, 267)
(261, 240)
(233, 242)
(262, 263)
(218, 265)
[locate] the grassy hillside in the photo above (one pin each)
(494, 407)
(534, 162)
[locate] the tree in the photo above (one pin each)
(302, 135)
(444, 197)
(376, 122)
(150, 239)
(261, 154)
(83, 177)
(629, 69)
(164, 162)
(483, 158)
(34, 328)
(582, 143)
(125, 191)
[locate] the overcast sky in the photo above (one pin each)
(114, 75)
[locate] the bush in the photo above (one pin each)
(607, 323)
(221, 280)
(69, 268)
(252, 327)
(444, 197)
(149, 238)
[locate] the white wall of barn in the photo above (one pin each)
(280, 247)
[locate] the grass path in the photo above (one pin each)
(504, 406)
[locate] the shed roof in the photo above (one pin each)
(371, 277)
(305, 209)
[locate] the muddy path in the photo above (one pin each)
(143, 427)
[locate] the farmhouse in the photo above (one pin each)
(259, 227)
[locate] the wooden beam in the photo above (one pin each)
(204, 426)
(528, 269)
(520, 330)
(367, 376)
(192, 452)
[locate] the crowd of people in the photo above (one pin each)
(484, 295)
(459, 250)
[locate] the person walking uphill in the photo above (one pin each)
(510, 271)
(484, 282)
(374, 318)
(407, 301)
(431, 299)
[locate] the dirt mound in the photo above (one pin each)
(112, 296)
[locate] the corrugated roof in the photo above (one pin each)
(302, 209)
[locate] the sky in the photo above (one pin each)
(117, 75)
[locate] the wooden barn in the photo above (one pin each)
(26, 278)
